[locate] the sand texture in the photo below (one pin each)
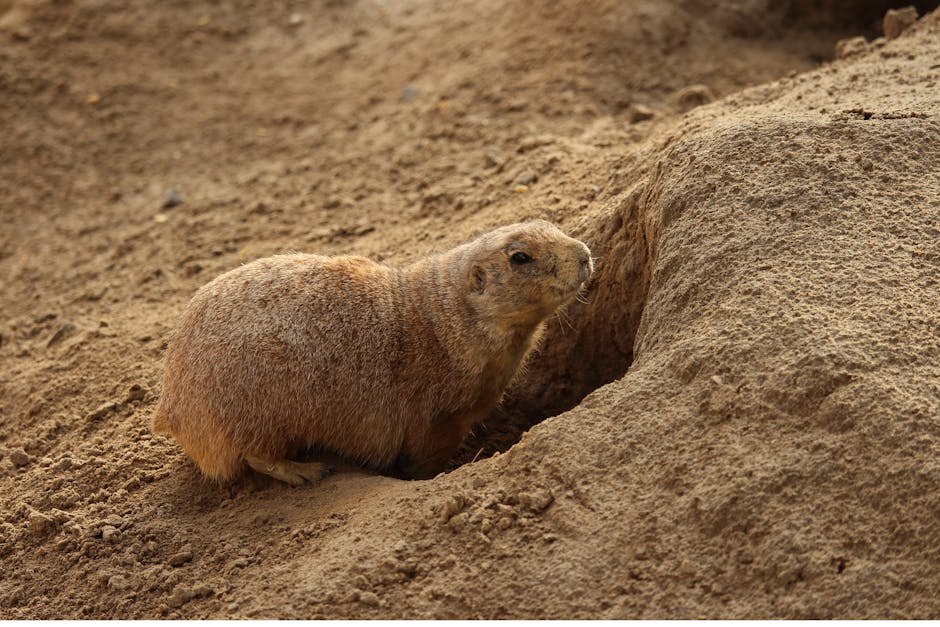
(741, 421)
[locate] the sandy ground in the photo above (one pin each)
(743, 421)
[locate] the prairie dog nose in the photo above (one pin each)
(587, 264)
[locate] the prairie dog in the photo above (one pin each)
(390, 367)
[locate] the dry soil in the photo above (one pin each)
(743, 420)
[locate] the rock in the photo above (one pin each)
(182, 557)
(851, 47)
(639, 113)
(146, 551)
(66, 330)
(135, 392)
(525, 177)
(40, 524)
(896, 21)
(295, 19)
(537, 500)
(409, 93)
(333, 202)
(65, 545)
(202, 591)
(19, 457)
(494, 159)
(63, 464)
(533, 142)
(118, 582)
(693, 96)
(369, 598)
(102, 410)
(110, 534)
(173, 199)
(459, 521)
(240, 562)
(180, 596)
(454, 505)
(114, 520)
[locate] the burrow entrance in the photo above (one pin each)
(590, 344)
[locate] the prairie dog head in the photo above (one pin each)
(521, 273)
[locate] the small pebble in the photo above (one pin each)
(19, 457)
(40, 524)
(180, 596)
(458, 521)
(896, 21)
(118, 582)
(185, 555)
(639, 113)
(369, 598)
(110, 534)
(114, 520)
(526, 177)
(65, 545)
(537, 500)
(173, 199)
(135, 392)
(66, 330)
(101, 411)
(240, 562)
(453, 505)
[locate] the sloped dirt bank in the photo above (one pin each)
(764, 314)
(772, 450)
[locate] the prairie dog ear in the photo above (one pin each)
(477, 278)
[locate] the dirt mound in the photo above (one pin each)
(753, 386)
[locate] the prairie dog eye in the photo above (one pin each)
(520, 258)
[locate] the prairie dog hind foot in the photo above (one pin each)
(294, 473)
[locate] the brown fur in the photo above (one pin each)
(387, 366)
